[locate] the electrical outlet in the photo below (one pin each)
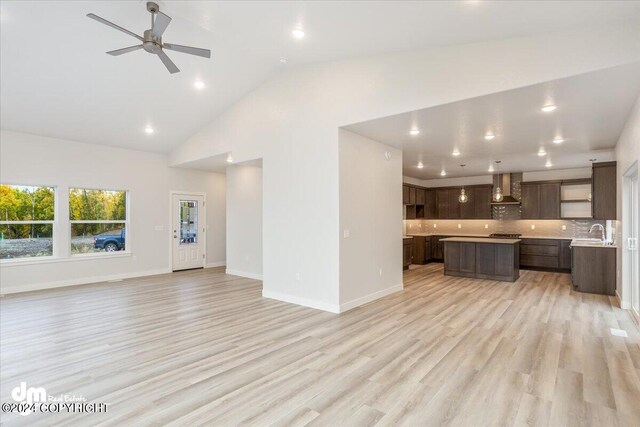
(486, 226)
(459, 225)
(564, 227)
(435, 225)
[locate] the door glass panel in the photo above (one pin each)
(188, 222)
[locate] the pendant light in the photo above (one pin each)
(463, 198)
(497, 195)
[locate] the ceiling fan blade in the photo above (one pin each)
(160, 24)
(168, 62)
(205, 53)
(112, 25)
(124, 50)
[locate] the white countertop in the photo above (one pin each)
(481, 240)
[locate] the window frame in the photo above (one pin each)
(54, 228)
(90, 255)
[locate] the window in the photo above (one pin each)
(26, 221)
(98, 220)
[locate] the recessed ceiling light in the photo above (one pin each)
(420, 165)
(558, 140)
(456, 152)
(542, 152)
(149, 130)
(198, 84)
(414, 131)
(548, 164)
(443, 173)
(549, 108)
(489, 136)
(298, 33)
(229, 158)
(283, 60)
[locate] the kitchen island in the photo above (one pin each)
(482, 258)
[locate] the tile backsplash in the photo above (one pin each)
(532, 228)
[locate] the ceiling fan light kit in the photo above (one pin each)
(152, 39)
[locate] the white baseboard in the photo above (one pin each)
(215, 264)
(82, 281)
(371, 297)
(244, 274)
(332, 308)
(306, 302)
(623, 304)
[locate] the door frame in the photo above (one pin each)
(627, 260)
(206, 226)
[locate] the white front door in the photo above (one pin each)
(188, 227)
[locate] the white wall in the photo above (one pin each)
(292, 124)
(371, 211)
(31, 159)
(244, 221)
(627, 152)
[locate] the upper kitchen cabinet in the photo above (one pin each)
(478, 205)
(603, 190)
(541, 200)
(405, 194)
(430, 207)
(442, 201)
(453, 206)
(482, 201)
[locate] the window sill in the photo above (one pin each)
(52, 260)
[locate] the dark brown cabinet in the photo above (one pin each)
(482, 202)
(442, 200)
(468, 209)
(565, 254)
(438, 248)
(430, 207)
(407, 249)
(428, 249)
(553, 254)
(603, 190)
(541, 200)
(594, 269)
(453, 206)
(443, 203)
(497, 261)
(419, 254)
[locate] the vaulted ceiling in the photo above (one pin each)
(56, 80)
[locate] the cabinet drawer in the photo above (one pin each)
(538, 261)
(546, 250)
(549, 242)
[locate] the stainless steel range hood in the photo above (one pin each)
(504, 182)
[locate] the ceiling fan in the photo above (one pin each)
(152, 39)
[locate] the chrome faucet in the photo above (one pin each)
(601, 228)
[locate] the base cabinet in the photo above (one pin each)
(594, 269)
(494, 261)
(407, 251)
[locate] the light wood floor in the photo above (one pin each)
(203, 348)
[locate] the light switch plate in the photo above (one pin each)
(346, 234)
